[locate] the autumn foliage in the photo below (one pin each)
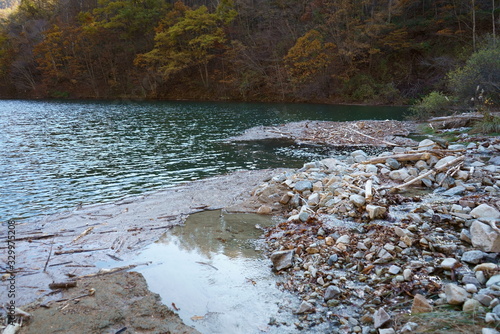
(285, 50)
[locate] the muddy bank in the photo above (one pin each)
(105, 304)
(356, 133)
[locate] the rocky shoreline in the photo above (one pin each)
(367, 242)
(369, 239)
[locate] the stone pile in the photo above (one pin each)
(359, 251)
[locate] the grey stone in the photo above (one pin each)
(485, 211)
(495, 160)
(305, 307)
(494, 280)
(304, 216)
(380, 318)
(458, 190)
(392, 163)
(331, 292)
(303, 186)
(484, 237)
(489, 331)
(399, 174)
(483, 299)
(282, 259)
(313, 200)
(357, 153)
(394, 270)
(455, 295)
(473, 256)
(333, 259)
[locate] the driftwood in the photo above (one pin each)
(368, 190)
(72, 251)
(48, 259)
(84, 233)
(432, 171)
(457, 121)
(400, 157)
(114, 270)
(367, 136)
(62, 285)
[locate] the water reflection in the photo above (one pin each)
(210, 270)
(211, 232)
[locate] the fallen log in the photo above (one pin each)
(400, 157)
(72, 251)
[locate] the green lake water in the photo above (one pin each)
(58, 154)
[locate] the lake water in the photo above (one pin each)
(58, 154)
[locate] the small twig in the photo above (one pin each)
(84, 233)
(207, 264)
(48, 258)
(62, 285)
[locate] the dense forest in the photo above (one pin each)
(354, 51)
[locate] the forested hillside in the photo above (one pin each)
(370, 51)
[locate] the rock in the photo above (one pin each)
(495, 160)
(392, 163)
(331, 292)
(494, 280)
(491, 318)
(264, 210)
(470, 288)
(386, 331)
(304, 216)
(449, 263)
(380, 318)
(303, 186)
(409, 328)
(426, 144)
(305, 307)
(455, 295)
(357, 200)
(420, 305)
(484, 237)
(282, 259)
(332, 259)
(394, 270)
(358, 153)
(483, 299)
(444, 161)
(399, 174)
(473, 256)
(345, 239)
(485, 211)
(313, 200)
(407, 274)
(489, 331)
(455, 191)
(375, 211)
(472, 306)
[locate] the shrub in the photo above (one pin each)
(434, 104)
(488, 125)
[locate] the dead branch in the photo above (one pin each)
(377, 139)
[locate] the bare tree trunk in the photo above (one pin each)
(474, 25)
(493, 23)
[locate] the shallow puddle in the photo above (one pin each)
(213, 274)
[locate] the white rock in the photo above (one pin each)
(313, 199)
(394, 270)
(345, 239)
(489, 331)
(399, 174)
(425, 144)
(485, 211)
(444, 161)
(448, 263)
(375, 211)
(304, 308)
(484, 237)
(455, 295)
(386, 331)
(357, 200)
(471, 288)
